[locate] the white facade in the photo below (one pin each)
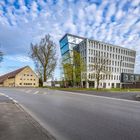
(121, 60)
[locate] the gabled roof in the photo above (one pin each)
(11, 74)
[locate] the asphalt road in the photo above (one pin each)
(72, 116)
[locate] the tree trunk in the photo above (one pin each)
(44, 75)
(97, 84)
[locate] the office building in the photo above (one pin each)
(67, 44)
(122, 60)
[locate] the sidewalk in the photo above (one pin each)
(16, 124)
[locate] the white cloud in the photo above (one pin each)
(16, 58)
(120, 13)
(135, 2)
(20, 27)
(111, 11)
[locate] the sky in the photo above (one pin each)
(25, 21)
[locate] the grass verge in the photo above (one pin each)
(93, 89)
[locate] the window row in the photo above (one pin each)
(107, 47)
(111, 69)
(108, 55)
(27, 79)
(28, 75)
(109, 62)
(102, 76)
(27, 83)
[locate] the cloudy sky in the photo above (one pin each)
(26, 21)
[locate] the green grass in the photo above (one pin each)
(93, 89)
(71, 89)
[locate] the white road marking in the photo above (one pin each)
(102, 97)
(11, 98)
(6, 95)
(15, 101)
(36, 92)
(28, 91)
(2, 94)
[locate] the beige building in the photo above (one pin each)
(23, 77)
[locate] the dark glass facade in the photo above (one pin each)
(67, 43)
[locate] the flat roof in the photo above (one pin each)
(67, 34)
(95, 40)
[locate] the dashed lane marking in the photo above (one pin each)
(28, 91)
(36, 92)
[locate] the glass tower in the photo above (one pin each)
(67, 43)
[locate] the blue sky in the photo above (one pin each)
(26, 21)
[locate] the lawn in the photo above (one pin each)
(93, 89)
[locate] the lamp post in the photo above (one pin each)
(120, 71)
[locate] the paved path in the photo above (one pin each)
(16, 124)
(71, 116)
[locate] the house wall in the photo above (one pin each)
(1, 85)
(26, 78)
(9, 82)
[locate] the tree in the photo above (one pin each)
(44, 57)
(79, 67)
(72, 69)
(68, 73)
(1, 55)
(100, 67)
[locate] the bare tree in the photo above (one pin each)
(44, 57)
(100, 67)
(1, 55)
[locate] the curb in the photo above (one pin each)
(137, 97)
(33, 121)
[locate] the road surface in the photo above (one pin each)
(71, 116)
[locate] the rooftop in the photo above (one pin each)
(11, 74)
(95, 40)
